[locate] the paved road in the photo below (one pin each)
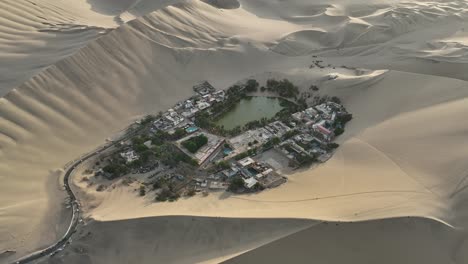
(76, 213)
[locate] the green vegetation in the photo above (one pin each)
(258, 123)
(115, 170)
(190, 192)
(339, 131)
(333, 145)
(167, 194)
(148, 119)
(171, 156)
(250, 152)
(193, 144)
(291, 134)
(258, 187)
(343, 119)
(236, 184)
(167, 190)
(271, 143)
(223, 165)
(335, 100)
(142, 190)
(178, 134)
(251, 86)
(304, 159)
(283, 88)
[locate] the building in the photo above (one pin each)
(219, 96)
(189, 113)
(246, 162)
(327, 134)
(173, 117)
(249, 183)
(188, 104)
(298, 116)
(148, 144)
(129, 156)
(233, 171)
(216, 185)
(264, 173)
(201, 105)
(204, 88)
(311, 112)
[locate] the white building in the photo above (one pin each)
(250, 182)
(129, 156)
(202, 105)
(148, 144)
(246, 161)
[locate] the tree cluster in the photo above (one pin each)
(236, 184)
(193, 144)
(251, 85)
(284, 88)
(115, 170)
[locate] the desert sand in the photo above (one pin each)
(74, 74)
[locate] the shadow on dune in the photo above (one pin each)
(186, 239)
(400, 240)
(172, 239)
(223, 4)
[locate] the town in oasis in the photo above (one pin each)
(242, 140)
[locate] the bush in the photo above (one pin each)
(195, 143)
(344, 118)
(236, 184)
(305, 159)
(191, 192)
(291, 134)
(167, 195)
(203, 120)
(223, 165)
(314, 88)
(169, 155)
(283, 88)
(251, 85)
(339, 131)
(148, 119)
(115, 170)
(139, 148)
(178, 134)
(335, 100)
(258, 187)
(142, 190)
(246, 154)
(100, 188)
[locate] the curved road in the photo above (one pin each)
(60, 244)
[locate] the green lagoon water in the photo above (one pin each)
(250, 109)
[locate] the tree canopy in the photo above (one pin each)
(193, 144)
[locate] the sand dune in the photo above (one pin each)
(388, 241)
(195, 239)
(74, 74)
(38, 33)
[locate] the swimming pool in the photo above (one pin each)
(191, 129)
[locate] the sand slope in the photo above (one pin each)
(38, 33)
(401, 156)
(388, 241)
(194, 239)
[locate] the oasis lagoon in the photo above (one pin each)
(250, 109)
